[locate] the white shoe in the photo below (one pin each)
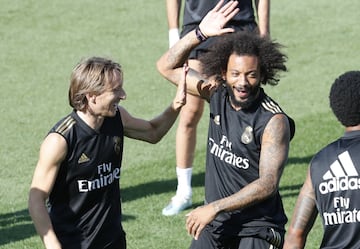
(176, 205)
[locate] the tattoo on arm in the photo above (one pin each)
(274, 150)
(305, 211)
(273, 156)
(305, 214)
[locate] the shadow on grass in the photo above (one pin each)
(290, 191)
(157, 187)
(15, 226)
(299, 160)
(18, 225)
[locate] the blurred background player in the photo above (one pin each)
(332, 188)
(194, 10)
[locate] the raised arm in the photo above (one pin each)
(274, 153)
(303, 218)
(173, 13)
(169, 65)
(153, 130)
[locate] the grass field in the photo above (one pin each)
(42, 40)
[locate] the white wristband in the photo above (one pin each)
(173, 36)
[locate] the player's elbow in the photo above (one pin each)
(270, 186)
(165, 71)
(161, 68)
(154, 138)
(36, 198)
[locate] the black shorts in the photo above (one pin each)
(202, 47)
(259, 238)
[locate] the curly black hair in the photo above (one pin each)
(345, 98)
(271, 59)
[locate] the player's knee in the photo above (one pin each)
(190, 116)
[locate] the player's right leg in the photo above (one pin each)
(185, 148)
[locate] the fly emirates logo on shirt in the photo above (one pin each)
(342, 176)
(106, 176)
(223, 152)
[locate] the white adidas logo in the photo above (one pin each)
(341, 176)
(346, 168)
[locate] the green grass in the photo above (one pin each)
(42, 40)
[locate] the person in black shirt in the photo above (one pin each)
(248, 137)
(78, 170)
(332, 187)
(194, 12)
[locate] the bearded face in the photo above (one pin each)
(243, 103)
(243, 80)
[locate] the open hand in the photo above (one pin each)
(180, 98)
(214, 21)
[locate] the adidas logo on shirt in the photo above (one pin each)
(341, 176)
(83, 158)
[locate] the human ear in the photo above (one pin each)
(223, 75)
(91, 98)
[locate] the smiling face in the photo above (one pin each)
(243, 80)
(105, 104)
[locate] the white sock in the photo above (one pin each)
(184, 182)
